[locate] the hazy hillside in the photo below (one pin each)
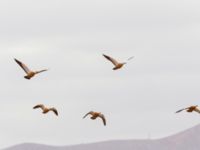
(180, 141)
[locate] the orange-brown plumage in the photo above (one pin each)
(95, 115)
(45, 109)
(190, 109)
(29, 73)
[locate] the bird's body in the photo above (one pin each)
(45, 109)
(95, 115)
(190, 109)
(117, 64)
(29, 73)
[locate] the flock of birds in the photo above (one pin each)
(30, 74)
(117, 65)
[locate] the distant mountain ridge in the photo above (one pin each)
(186, 140)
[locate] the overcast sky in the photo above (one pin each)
(68, 37)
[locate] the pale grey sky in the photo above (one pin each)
(69, 37)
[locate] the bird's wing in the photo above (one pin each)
(39, 106)
(111, 59)
(54, 110)
(41, 71)
(91, 112)
(180, 110)
(23, 66)
(130, 58)
(103, 118)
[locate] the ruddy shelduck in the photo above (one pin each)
(29, 73)
(95, 115)
(45, 109)
(117, 64)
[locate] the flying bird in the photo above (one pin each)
(29, 73)
(190, 109)
(117, 64)
(95, 115)
(45, 109)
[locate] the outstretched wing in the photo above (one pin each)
(89, 113)
(130, 58)
(41, 71)
(103, 118)
(180, 110)
(23, 66)
(111, 59)
(54, 110)
(39, 106)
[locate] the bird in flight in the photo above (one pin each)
(29, 73)
(117, 64)
(45, 109)
(95, 115)
(190, 109)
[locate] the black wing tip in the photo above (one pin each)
(85, 115)
(105, 55)
(16, 59)
(56, 112)
(178, 111)
(37, 106)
